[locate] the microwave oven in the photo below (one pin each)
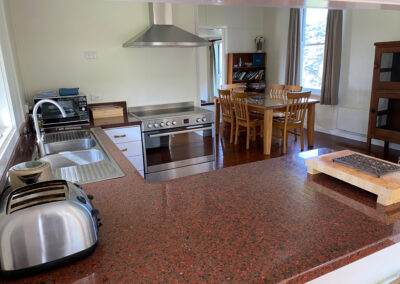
(75, 107)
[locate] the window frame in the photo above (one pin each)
(303, 18)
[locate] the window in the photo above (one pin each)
(312, 48)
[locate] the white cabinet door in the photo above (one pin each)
(124, 134)
(137, 162)
(131, 149)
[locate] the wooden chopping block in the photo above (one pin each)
(107, 111)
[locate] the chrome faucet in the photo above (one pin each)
(34, 114)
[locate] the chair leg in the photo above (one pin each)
(232, 130)
(295, 134)
(253, 136)
(248, 138)
(285, 134)
(222, 129)
(237, 133)
(301, 139)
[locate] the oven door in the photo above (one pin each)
(75, 108)
(178, 147)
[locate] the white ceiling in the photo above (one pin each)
(333, 4)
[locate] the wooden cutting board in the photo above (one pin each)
(386, 187)
(107, 111)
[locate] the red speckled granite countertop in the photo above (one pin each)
(265, 221)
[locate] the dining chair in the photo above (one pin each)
(296, 108)
(292, 88)
(228, 114)
(232, 86)
(276, 91)
(243, 118)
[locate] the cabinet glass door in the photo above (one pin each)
(388, 115)
(390, 67)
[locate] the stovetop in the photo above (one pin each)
(168, 112)
(171, 115)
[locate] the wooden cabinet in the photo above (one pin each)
(129, 141)
(248, 69)
(384, 115)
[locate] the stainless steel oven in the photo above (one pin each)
(177, 140)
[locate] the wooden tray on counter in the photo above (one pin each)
(386, 187)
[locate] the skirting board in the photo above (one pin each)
(355, 136)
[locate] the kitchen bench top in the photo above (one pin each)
(264, 221)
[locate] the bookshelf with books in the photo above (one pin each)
(247, 69)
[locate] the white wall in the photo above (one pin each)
(243, 24)
(362, 30)
(52, 36)
(276, 24)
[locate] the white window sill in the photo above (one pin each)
(314, 92)
(8, 141)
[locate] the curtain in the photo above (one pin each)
(293, 48)
(332, 58)
(213, 73)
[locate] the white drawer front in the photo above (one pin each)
(125, 134)
(131, 149)
(137, 162)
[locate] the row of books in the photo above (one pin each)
(256, 86)
(249, 75)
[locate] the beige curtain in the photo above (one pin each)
(213, 73)
(332, 58)
(293, 48)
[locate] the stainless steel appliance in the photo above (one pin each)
(45, 224)
(162, 33)
(177, 140)
(75, 107)
(28, 173)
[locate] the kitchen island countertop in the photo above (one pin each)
(264, 221)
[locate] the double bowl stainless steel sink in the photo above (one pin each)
(78, 156)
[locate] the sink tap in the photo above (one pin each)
(34, 114)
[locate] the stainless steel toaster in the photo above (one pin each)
(45, 224)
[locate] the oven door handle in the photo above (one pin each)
(179, 132)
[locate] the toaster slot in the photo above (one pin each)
(33, 195)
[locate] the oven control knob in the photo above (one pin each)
(161, 124)
(168, 123)
(198, 119)
(174, 122)
(204, 119)
(149, 125)
(155, 125)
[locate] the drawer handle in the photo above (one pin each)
(120, 136)
(124, 150)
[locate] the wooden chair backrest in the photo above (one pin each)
(291, 88)
(226, 103)
(296, 107)
(240, 103)
(229, 86)
(276, 91)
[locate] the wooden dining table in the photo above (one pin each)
(262, 103)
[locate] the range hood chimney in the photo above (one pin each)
(162, 33)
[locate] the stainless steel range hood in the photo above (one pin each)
(162, 33)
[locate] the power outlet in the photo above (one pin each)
(96, 98)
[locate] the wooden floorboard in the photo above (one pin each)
(228, 154)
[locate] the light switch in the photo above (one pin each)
(90, 54)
